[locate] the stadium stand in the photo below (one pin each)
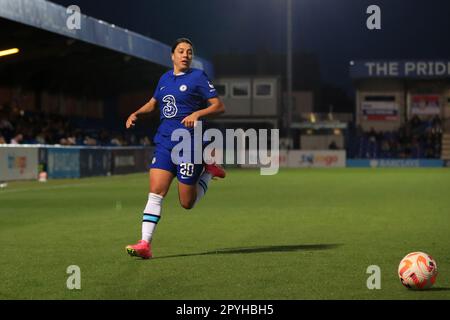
(415, 139)
(23, 127)
(75, 87)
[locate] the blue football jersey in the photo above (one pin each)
(179, 96)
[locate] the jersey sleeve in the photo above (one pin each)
(205, 87)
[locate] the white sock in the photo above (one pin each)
(152, 214)
(202, 185)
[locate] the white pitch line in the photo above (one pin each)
(63, 186)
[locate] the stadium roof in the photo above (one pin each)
(97, 58)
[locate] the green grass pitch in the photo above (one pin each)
(300, 234)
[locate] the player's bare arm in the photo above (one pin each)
(215, 107)
(146, 108)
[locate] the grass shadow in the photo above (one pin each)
(258, 249)
(438, 289)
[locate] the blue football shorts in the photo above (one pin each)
(186, 172)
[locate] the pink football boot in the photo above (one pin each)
(215, 170)
(141, 249)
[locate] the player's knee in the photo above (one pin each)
(159, 191)
(187, 204)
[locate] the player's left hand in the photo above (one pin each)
(190, 120)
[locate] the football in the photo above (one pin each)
(417, 270)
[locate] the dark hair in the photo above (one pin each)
(181, 40)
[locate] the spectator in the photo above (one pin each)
(116, 141)
(71, 140)
(17, 139)
(415, 122)
(416, 138)
(63, 142)
(5, 124)
(89, 141)
(333, 145)
(372, 136)
(385, 148)
(37, 127)
(145, 141)
(40, 138)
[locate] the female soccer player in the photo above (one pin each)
(184, 95)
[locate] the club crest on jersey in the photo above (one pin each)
(183, 87)
(170, 108)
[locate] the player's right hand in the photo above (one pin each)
(131, 121)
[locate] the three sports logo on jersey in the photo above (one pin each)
(170, 108)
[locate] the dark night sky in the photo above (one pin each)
(335, 30)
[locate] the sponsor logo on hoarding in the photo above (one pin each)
(17, 162)
(124, 161)
(318, 159)
(283, 158)
(406, 163)
(379, 111)
(425, 104)
(395, 163)
(63, 161)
